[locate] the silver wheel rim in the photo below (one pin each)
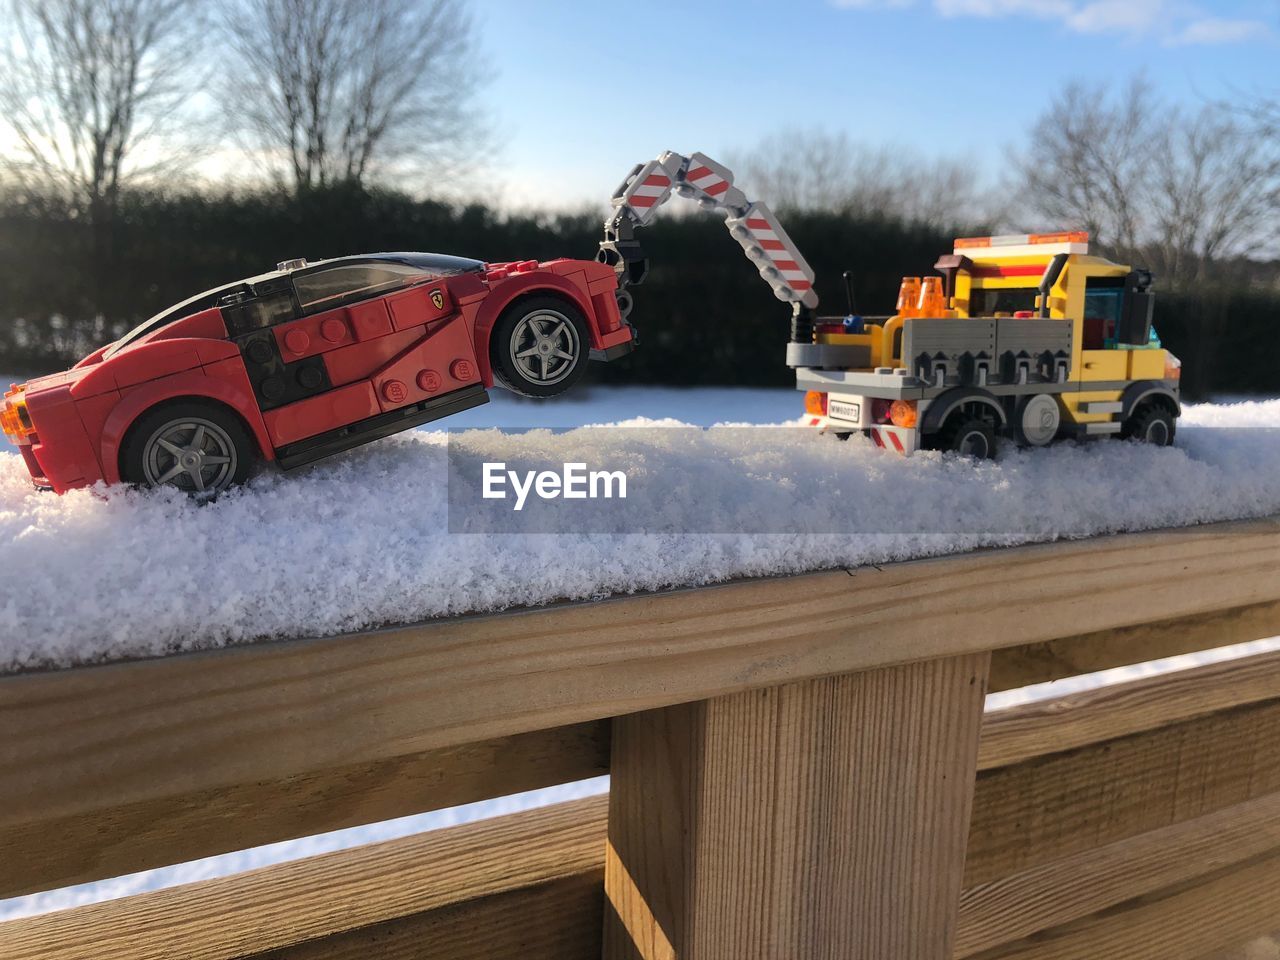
(545, 347)
(192, 454)
(1158, 433)
(974, 444)
(1040, 420)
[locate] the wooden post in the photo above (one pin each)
(820, 820)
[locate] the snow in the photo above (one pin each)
(363, 539)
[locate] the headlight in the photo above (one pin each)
(14, 417)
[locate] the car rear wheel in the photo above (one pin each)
(200, 448)
(539, 347)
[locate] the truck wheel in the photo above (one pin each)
(199, 447)
(1150, 423)
(1036, 420)
(968, 436)
(539, 347)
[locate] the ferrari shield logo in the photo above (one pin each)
(437, 297)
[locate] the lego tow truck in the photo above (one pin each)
(1025, 337)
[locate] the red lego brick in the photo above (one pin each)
(306, 418)
(419, 305)
(314, 335)
(362, 360)
(608, 318)
(370, 320)
(447, 347)
(205, 325)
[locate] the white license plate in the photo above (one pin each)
(841, 410)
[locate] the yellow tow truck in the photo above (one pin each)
(1027, 337)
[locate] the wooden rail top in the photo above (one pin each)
(837, 714)
(274, 710)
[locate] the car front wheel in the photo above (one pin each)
(200, 448)
(539, 347)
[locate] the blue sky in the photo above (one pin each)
(582, 90)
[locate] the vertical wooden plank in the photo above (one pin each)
(820, 820)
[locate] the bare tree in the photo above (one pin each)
(88, 89)
(1089, 157)
(339, 91)
(1217, 194)
(1179, 190)
(819, 170)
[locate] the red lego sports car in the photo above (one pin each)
(308, 360)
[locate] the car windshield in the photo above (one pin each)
(321, 285)
(345, 281)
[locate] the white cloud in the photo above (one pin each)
(1219, 30)
(1003, 8)
(1129, 16)
(873, 4)
(1176, 21)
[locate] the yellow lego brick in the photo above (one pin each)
(861, 339)
(1146, 364)
(1074, 403)
(1104, 365)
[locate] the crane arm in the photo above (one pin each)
(710, 184)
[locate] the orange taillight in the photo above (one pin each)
(815, 403)
(14, 418)
(902, 413)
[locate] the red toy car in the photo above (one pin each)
(312, 359)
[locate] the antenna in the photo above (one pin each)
(848, 292)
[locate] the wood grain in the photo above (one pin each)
(1074, 720)
(556, 920)
(819, 819)
(458, 869)
(1210, 914)
(1023, 665)
(1037, 811)
(81, 742)
(80, 847)
(1097, 879)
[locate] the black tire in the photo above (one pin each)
(968, 436)
(1151, 423)
(540, 346)
(163, 438)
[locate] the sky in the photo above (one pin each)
(581, 91)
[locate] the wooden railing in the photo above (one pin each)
(801, 768)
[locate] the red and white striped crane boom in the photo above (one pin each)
(710, 184)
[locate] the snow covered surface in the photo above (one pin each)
(362, 539)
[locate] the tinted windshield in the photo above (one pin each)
(328, 288)
(342, 281)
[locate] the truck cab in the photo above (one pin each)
(1026, 337)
